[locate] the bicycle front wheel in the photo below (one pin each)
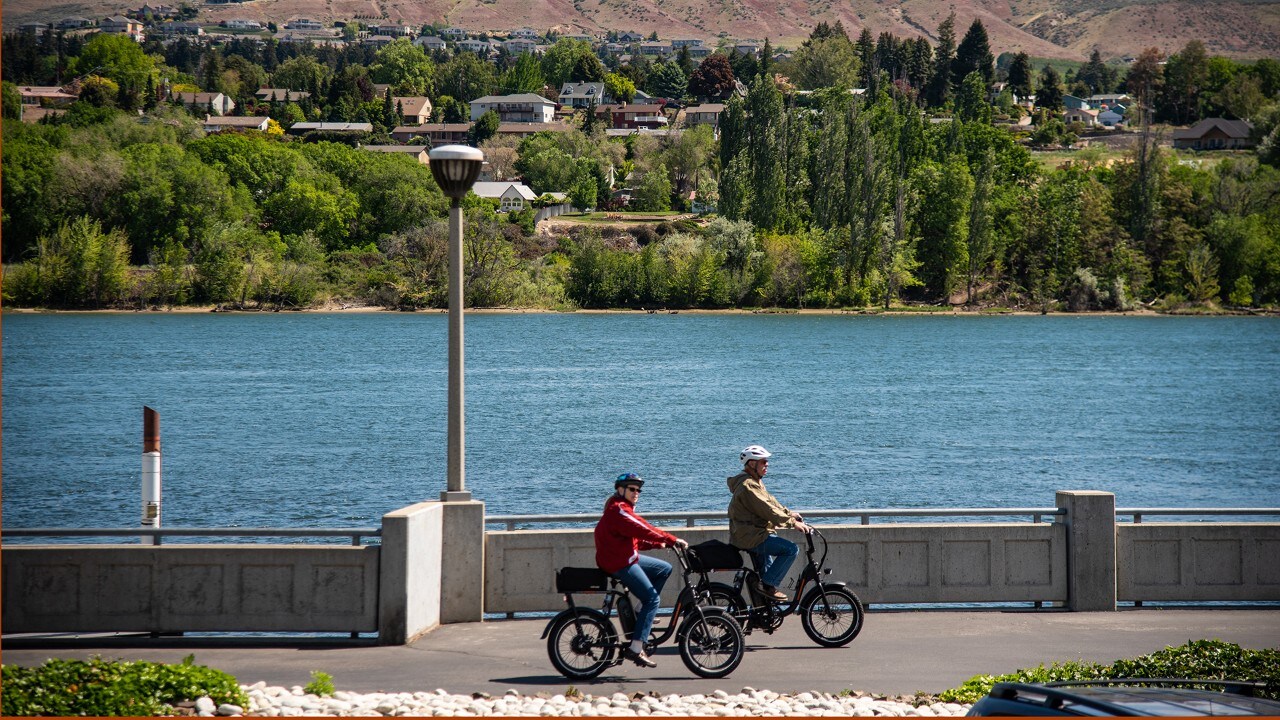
(831, 616)
(711, 643)
(582, 645)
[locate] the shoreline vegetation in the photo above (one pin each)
(904, 310)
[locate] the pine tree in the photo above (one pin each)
(1020, 80)
(974, 55)
(939, 92)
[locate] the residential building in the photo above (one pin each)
(430, 43)
(436, 134)
(690, 43)
(524, 107)
(627, 38)
(525, 34)
(1085, 116)
(416, 109)
(281, 95)
(631, 116)
(34, 28)
(342, 127)
(394, 30)
(1110, 118)
(155, 12)
(417, 152)
(516, 46)
(481, 48)
(700, 52)
(655, 49)
(45, 95)
(1110, 99)
(74, 23)
(1071, 102)
(119, 25)
(303, 24)
(216, 123)
(704, 114)
(377, 41)
(581, 37)
(454, 33)
(1215, 134)
(510, 195)
(747, 47)
(174, 29)
(580, 95)
(212, 103)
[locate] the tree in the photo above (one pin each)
(942, 224)
(12, 101)
(1020, 80)
(619, 88)
(587, 68)
(980, 239)
(829, 62)
(525, 76)
(405, 67)
(864, 49)
(939, 90)
(1095, 74)
(1049, 95)
(562, 61)
(1145, 80)
(465, 77)
(667, 81)
(301, 73)
(485, 128)
(713, 80)
(583, 193)
(117, 58)
(1185, 75)
(974, 55)
(971, 101)
(654, 192)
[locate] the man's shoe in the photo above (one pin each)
(774, 593)
(638, 658)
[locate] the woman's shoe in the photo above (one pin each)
(638, 658)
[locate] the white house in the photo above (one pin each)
(525, 33)
(430, 42)
(214, 103)
(1110, 118)
(580, 95)
(453, 33)
(516, 46)
(524, 107)
(479, 47)
(303, 24)
(510, 195)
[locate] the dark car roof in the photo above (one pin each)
(1100, 699)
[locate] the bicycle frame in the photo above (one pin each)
(813, 571)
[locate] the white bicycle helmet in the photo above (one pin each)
(754, 452)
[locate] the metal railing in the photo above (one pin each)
(1139, 513)
(157, 533)
(864, 515)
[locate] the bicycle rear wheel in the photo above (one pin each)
(582, 645)
(711, 643)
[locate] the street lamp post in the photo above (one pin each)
(455, 168)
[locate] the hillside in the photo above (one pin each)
(1066, 29)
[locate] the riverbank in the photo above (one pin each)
(346, 308)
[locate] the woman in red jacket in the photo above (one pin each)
(620, 536)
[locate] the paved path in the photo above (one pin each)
(897, 653)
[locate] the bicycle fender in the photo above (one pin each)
(572, 612)
(813, 591)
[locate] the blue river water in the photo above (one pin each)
(331, 420)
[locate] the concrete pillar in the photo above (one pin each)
(409, 572)
(462, 563)
(1091, 548)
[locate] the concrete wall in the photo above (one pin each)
(409, 602)
(173, 588)
(907, 563)
(1199, 561)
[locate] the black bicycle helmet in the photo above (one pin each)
(628, 479)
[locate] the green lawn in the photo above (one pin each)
(622, 216)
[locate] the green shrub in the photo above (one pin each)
(321, 684)
(112, 687)
(1197, 659)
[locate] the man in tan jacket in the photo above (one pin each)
(754, 516)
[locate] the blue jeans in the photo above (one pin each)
(645, 580)
(776, 555)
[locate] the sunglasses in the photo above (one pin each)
(632, 488)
